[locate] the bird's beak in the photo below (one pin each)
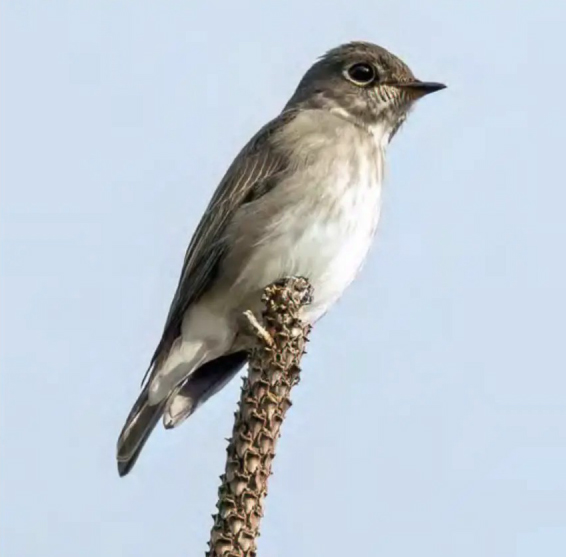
(421, 88)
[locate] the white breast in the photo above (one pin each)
(320, 221)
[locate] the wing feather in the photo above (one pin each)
(246, 179)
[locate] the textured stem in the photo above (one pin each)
(273, 371)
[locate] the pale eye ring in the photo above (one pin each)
(361, 74)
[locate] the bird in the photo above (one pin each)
(302, 198)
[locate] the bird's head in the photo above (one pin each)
(364, 83)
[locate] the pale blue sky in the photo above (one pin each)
(431, 419)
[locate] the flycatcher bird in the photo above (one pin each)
(302, 198)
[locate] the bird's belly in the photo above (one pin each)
(328, 256)
(324, 240)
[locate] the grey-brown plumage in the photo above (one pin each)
(205, 381)
(301, 198)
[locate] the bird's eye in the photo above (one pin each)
(361, 74)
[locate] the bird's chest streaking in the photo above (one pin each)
(319, 220)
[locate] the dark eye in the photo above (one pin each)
(361, 74)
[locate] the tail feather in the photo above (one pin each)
(183, 401)
(140, 423)
(200, 386)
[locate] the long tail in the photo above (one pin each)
(197, 389)
(140, 423)
(206, 381)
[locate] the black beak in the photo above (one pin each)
(422, 88)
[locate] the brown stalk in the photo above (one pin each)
(279, 343)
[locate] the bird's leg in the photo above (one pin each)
(252, 326)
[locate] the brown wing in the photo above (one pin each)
(245, 180)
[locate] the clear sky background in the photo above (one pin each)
(431, 419)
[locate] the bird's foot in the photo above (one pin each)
(251, 325)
